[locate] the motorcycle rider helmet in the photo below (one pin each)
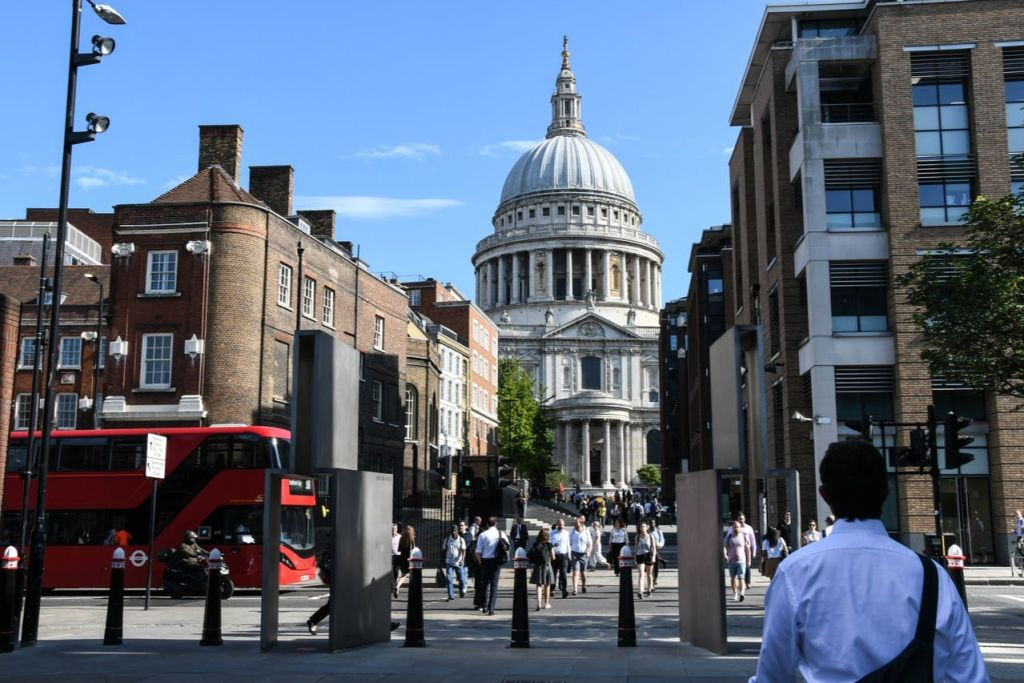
(190, 536)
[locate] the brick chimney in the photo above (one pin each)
(24, 260)
(321, 222)
(221, 146)
(273, 186)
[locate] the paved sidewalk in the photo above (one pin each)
(991, 576)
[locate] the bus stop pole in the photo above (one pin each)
(152, 532)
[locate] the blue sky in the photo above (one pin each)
(404, 116)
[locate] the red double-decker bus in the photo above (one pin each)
(214, 485)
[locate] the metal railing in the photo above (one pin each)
(858, 112)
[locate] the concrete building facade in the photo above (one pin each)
(574, 285)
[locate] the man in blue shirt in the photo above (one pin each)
(848, 605)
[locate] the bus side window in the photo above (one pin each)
(77, 527)
(83, 455)
(248, 451)
(126, 454)
(17, 454)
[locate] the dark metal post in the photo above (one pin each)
(96, 368)
(152, 533)
(520, 612)
(627, 615)
(114, 631)
(9, 599)
(211, 614)
(299, 287)
(37, 552)
(414, 620)
(933, 448)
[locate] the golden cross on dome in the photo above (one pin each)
(565, 52)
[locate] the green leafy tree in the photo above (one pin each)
(970, 300)
(525, 428)
(649, 475)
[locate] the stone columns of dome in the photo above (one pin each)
(501, 281)
(567, 453)
(628, 476)
(515, 278)
(657, 286)
(648, 285)
(606, 275)
(606, 456)
(623, 292)
(549, 274)
(585, 460)
(479, 287)
(588, 271)
(531, 275)
(635, 287)
(623, 477)
(492, 283)
(569, 296)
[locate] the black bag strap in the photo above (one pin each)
(929, 601)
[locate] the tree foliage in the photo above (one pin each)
(649, 475)
(970, 300)
(525, 427)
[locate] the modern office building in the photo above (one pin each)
(675, 414)
(574, 285)
(865, 130)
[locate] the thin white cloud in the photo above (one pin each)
(609, 140)
(88, 177)
(417, 151)
(373, 208)
(508, 146)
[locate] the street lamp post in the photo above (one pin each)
(97, 357)
(101, 47)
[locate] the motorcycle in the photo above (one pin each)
(181, 579)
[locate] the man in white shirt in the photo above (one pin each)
(490, 570)
(560, 544)
(580, 544)
(396, 559)
(848, 605)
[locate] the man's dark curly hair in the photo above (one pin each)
(853, 475)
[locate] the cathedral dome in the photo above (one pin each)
(567, 162)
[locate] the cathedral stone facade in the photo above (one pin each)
(574, 285)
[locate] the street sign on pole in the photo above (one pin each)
(156, 466)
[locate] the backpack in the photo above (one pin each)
(501, 552)
(915, 663)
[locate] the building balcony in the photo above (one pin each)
(851, 140)
(850, 349)
(597, 232)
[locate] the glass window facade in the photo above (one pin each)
(852, 207)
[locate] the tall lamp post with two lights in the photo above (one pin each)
(97, 358)
(101, 47)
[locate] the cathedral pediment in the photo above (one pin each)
(591, 326)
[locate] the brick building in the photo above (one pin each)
(447, 306)
(422, 384)
(208, 285)
(675, 414)
(866, 128)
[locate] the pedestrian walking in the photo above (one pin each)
(597, 558)
(580, 545)
(521, 505)
(396, 559)
(617, 539)
(659, 543)
(543, 576)
(738, 555)
(520, 534)
(405, 546)
(471, 535)
(324, 611)
(560, 544)
(773, 551)
(786, 529)
(454, 552)
(812, 535)
(646, 553)
(490, 567)
(829, 522)
(748, 531)
(893, 607)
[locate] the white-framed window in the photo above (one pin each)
(22, 412)
(308, 296)
(27, 353)
(415, 297)
(494, 405)
(284, 285)
(411, 407)
(328, 314)
(66, 416)
(102, 353)
(378, 401)
(156, 361)
(378, 333)
(161, 272)
(70, 352)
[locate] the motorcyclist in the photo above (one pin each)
(189, 551)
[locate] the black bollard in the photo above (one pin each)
(520, 612)
(114, 632)
(9, 600)
(627, 617)
(955, 567)
(414, 619)
(211, 616)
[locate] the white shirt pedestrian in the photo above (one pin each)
(487, 543)
(859, 583)
(579, 541)
(560, 541)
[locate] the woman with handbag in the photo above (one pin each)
(543, 576)
(405, 546)
(617, 538)
(774, 551)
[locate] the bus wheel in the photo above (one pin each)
(227, 589)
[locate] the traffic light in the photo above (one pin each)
(505, 469)
(466, 480)
(862, 426)
(954, 442)
(443, 468)
(917, 454)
